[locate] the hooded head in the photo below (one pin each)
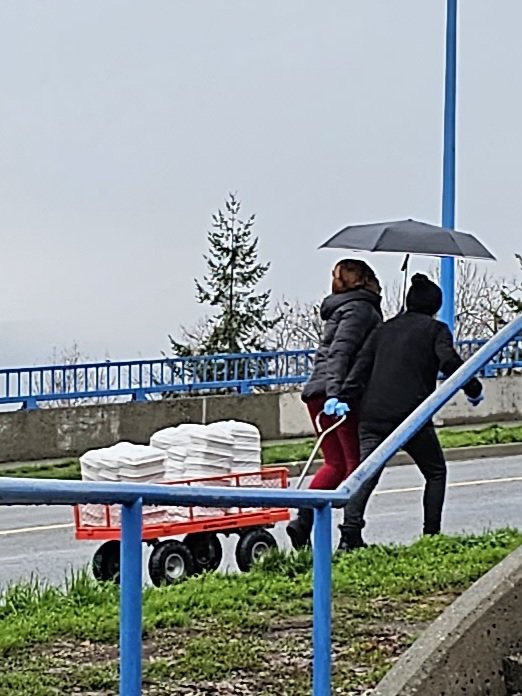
(424, 296)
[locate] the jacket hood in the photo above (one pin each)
(332, 302)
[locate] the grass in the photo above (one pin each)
(240, 634)
(288, 452)
(449, 438)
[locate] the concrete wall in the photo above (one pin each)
(462, 652)
(503, 402)
(62, 432)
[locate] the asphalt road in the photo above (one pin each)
(485, 494)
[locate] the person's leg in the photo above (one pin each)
(425, 450)
(329, 476)
(353, 520)
(340, 450)
(348, 437)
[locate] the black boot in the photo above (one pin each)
(299, 530)
(351, 539)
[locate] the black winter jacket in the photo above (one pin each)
(398, 366)
(349, 318)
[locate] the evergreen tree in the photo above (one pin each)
(239, 321)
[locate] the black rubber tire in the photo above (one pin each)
(106, 562)
(251, 546)
(170, 562)
(206, 550)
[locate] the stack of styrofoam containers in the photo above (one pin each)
(125, 463)
(175, 442)
(209, 454)
(246, 455)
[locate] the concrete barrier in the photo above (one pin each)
(462, 652)
(62, 432)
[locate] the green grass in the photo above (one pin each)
(69, 470)
(250, 632)
(449, 438)
(293, 451)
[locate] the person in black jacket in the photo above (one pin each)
(349, 314)
(397, 370)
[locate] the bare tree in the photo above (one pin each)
(392, 299)
(65, 375)
(298, 325)
(481, 308)
(194, 337)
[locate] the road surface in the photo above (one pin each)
(482, 495)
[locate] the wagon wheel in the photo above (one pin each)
(170, 562)
(251, 546)
(206, 550)
(106, 562)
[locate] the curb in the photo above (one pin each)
(464, 648)
(455, 454)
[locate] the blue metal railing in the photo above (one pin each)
(133, 496)
(139, 379)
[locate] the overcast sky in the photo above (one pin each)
(124, 124)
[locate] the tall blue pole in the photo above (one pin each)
(322, 632)
(447, 270)
(130, 599)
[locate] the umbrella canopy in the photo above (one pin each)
(408, 237)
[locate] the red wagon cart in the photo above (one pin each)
(200, 549)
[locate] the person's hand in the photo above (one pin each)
(342, 409)
(334, 407)
(476, 401)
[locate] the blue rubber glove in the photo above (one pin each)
(342, 409)
(330, 405)
(334, 407)
(476, 402)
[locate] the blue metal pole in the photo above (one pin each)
(130, 599)
(447, 271)
(322, 640)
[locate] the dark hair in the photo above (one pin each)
(366, 277)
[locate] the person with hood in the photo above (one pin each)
(396, 371)
(349, 314)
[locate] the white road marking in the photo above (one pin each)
(458, 484)
(40, 528)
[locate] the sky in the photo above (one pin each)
(124, 124)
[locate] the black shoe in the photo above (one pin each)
(300, 529)
(431, 532)
(351, 539)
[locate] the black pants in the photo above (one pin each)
(425, 450)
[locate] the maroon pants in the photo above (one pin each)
(340, 447)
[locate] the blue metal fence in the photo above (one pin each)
(142, 379)
(133, 496)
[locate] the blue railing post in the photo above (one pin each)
(322, 639)
(139, 395)
(245, 387)
(29, 403)
(130, 599)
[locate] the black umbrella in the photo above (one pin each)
(409, 237)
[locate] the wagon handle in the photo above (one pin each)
(322, 434)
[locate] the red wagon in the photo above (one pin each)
(200, 549)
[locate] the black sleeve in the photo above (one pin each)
(450, 360)
(352, 329)
(359, 375)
